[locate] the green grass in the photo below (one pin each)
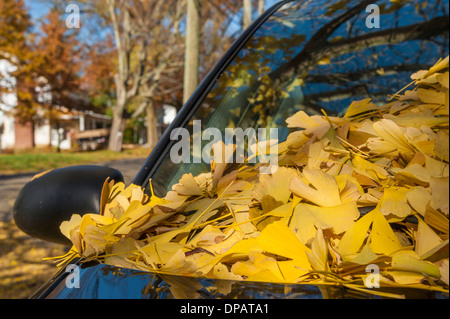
(40, 160)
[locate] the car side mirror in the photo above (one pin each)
(50, 198)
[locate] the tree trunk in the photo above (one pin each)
(192, 49)
(152, 130)
(58, 146)
(247, 13)
(116, 133)
(1, 133)
(261, 6)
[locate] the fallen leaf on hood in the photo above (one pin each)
(344, 196)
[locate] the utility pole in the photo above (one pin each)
(247, 13)
(192, 49)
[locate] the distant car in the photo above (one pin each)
(92, 140)
(299, 55)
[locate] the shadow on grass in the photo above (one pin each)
(22, 270)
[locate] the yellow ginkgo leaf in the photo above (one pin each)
(244, 269)
(443, 79)
(263, 262)
(407, 260)
(443, 269)
(438, 66)
(358, 107)
(412, 174)
(67, 226)
(371, 170)
(307, 218)
(394, 202)
(440, 194)
(296, 139)
(223, 155)
(319, 252)
(279, 239)
(426, 239)
(187, 186)
(431, 96)
(392, 139)
(365, 257)
(220, 271)
(276, 184)
(406, 277)
(313, 125)
(317, 155)
(321, 183)
(178, 264)
(417, 120)
(418, 198)
(354, 237)
(382, 237)
(442, 145)
(349, 187)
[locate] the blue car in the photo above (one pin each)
(339, 51)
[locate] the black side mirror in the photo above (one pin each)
(53, 197)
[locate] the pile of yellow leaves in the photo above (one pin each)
(304, 223)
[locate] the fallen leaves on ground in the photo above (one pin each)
(303, 223)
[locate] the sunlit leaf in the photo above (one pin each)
(426, 239)
(407, 260)
(320, 183)
(382, 237)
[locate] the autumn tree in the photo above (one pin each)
(135, 23)
(57, 58)
(97, 79)
(15, 24)
(150, 39)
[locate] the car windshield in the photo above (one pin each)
(315, 56)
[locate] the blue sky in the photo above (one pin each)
(37, 9)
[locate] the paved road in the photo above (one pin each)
(11, 185)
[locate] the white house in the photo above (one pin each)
(7, 102)
(16, 135)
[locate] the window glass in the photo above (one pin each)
(314, 56)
